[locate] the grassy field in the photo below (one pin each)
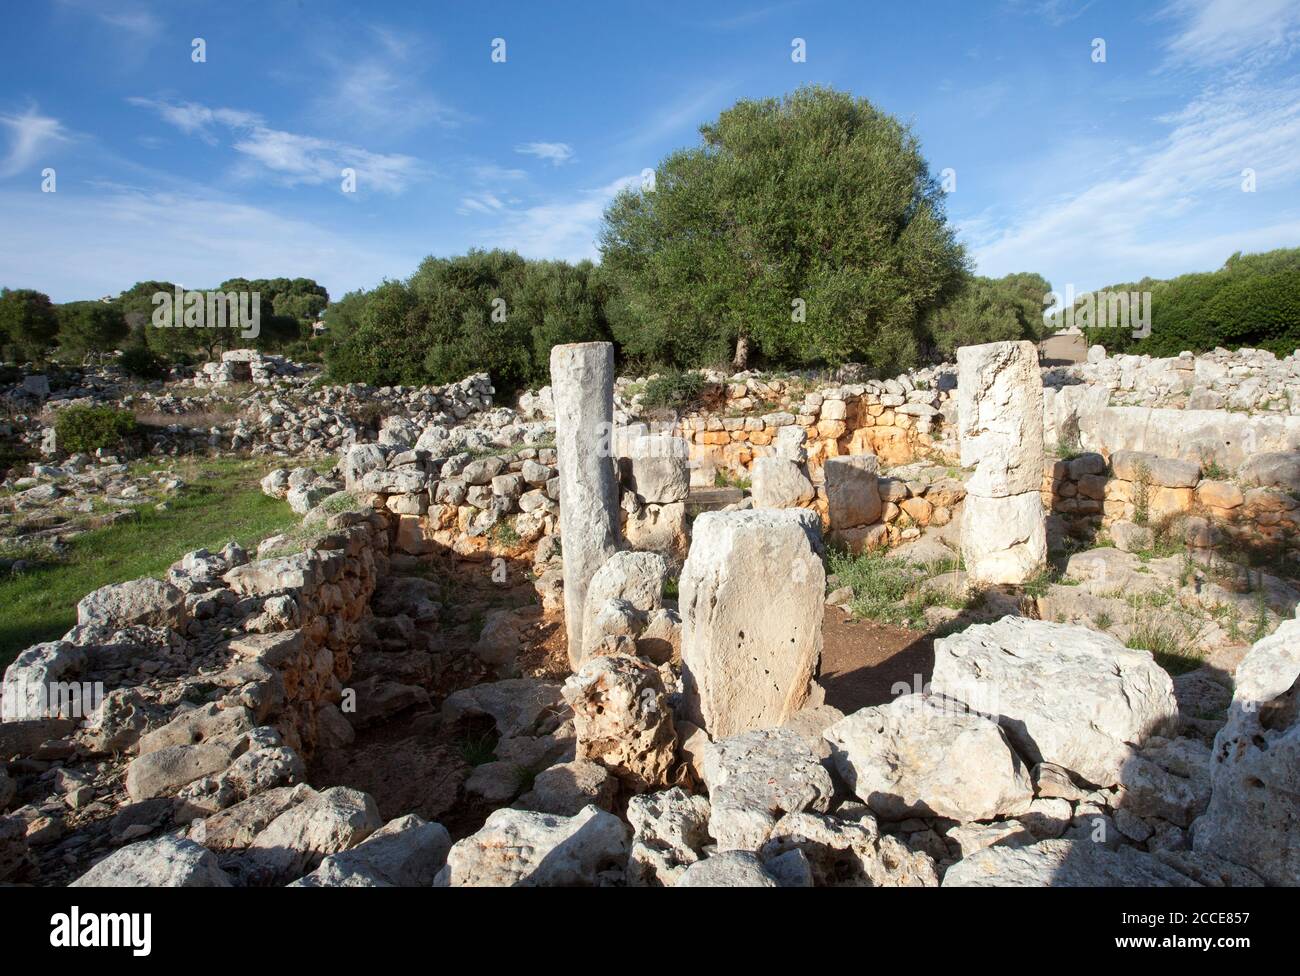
(220, 503)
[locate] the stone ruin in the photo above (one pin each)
(682, 741)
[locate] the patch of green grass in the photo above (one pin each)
(222, 502)
(892, 591)
(478, 748)
(722, 478)
(503, 534)
(1174, 648)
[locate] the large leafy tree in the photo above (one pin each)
(91, 327)
(28, 322)
(806, 228)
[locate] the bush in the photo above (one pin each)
(672, 390)
(86, 429)
(141, 362)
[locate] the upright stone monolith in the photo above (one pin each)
(1000, 424)
(751, 597)
(582, 383)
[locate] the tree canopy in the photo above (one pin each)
(807, 229)
(28, 322)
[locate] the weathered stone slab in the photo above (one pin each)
(751, 597)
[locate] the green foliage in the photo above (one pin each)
(1174, 648)
(672, 389)
(817, 198)
(485, 310)
(893, 591)
(143, 363)
(990, 310)
(1253, 300)
(82, 428)
(28, 322)
(86, 327)
(286, 307)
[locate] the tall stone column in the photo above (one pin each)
(751, 599)
(1000, 425)
(582, 383)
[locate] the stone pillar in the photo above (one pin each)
(582, 383)
(751, 597)
(1000, 425)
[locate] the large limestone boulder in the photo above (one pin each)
(849, 852)
(1063, 864)
(32, 683)
(852, 490)
(669, 831)
(728, 869)
(1275, 469)
(756, 777)
(635, 577)
(325, 823)
(751, 597)
(779, 483)
(623, 720)
(160, 862)
(657, 469)
(523, 848)
(919, 758)
(167, 769)
(146, 601)
(1063, 694)
(1254, 812)
(405, 853)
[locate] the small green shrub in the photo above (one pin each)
(86, 429)
(142, 363)
(672, 390)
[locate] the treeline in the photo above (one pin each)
(34, 328)
(1253, 301)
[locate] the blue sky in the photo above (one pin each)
(1087, 172)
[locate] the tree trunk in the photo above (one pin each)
(741, 360)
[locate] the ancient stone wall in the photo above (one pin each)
(1258, 505)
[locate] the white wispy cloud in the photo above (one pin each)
(30, 136)
(121, 236)
(565, 227)
(1055, 12)
(125, 15)
(375, 84)
(1215, 32)
(556, 153)
(290, 157)
(676, 118)
(1166, 207)
(480, 203)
